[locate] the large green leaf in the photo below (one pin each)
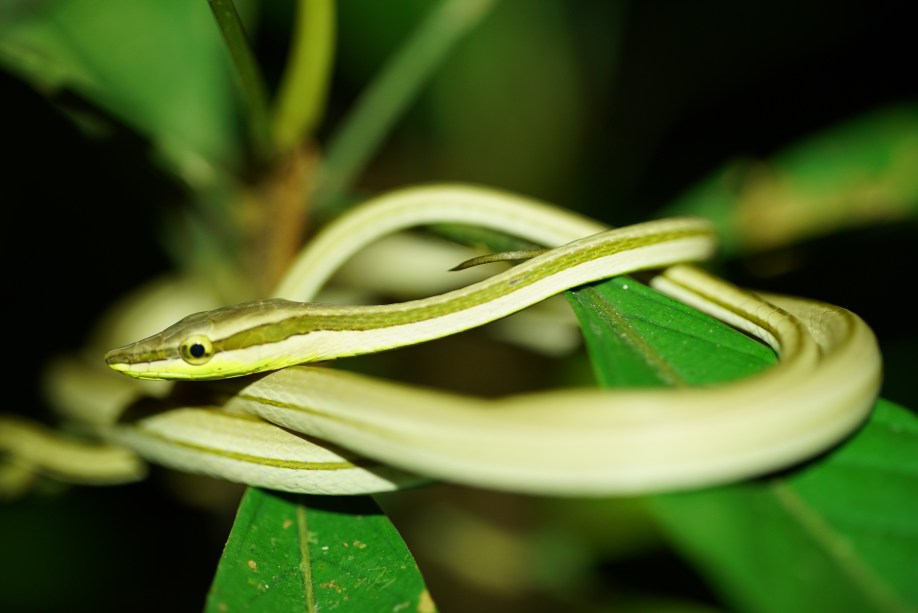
(638, 337)
(158, 66)
(838, 533)
(309, 553)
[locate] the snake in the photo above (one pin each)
(289, 422)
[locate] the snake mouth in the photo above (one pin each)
(116, 361)
(141, 361)
(127, 369)
(163, 370)
(150, 375)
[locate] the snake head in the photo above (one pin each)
(212, 344)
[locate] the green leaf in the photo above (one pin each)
(858, 173)
(314, 553)
(158, 66)
(838, 533)
(638, 337)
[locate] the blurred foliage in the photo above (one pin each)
(166, 78)
(793, 125)
(860, 173)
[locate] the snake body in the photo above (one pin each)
(571, 442)
(277, 333)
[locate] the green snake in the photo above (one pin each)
(292, 426)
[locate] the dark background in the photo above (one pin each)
(690, 86)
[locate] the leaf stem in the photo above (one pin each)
(304, 85)
(390, 94)
(254, 92)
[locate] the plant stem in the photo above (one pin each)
(304, 86)
(254, 92)
(390, 94)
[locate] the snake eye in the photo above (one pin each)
(196, 350)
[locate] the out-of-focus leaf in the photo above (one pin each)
(158, 66)
(502, 113)
(838, 533)
(859, 173)
(305, 553)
